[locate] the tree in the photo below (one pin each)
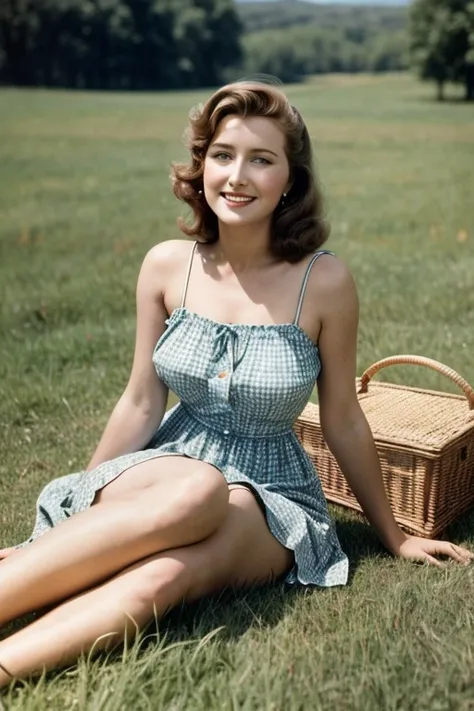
(442, 42)
(117, 44)
(207, 33)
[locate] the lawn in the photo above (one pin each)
(84, 194)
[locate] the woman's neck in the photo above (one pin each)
(244, 248)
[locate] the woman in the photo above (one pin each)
(219, 491)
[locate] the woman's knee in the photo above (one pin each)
(208, 488)
(200, 497)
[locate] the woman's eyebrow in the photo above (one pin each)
(228, 146)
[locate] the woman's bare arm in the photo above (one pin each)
(344, 425)
(141, 407)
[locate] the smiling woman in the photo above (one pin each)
(249, 134)
(218, 491)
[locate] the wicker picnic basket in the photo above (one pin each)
(425, 442)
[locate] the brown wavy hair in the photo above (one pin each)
(298, 226)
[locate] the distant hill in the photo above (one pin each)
(292, 39)
(279, 14)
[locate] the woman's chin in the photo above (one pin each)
(236, 219)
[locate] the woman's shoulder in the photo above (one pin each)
(168, 256)
(169, 252)
(330, 281)
(164, 265)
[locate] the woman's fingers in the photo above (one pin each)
(462, 555)
(457, 553)
(432, 561)
(5, 552)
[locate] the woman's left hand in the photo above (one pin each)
(424, 549)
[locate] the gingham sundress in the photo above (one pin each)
(240, 389)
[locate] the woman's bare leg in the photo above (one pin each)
(241, 552)
(98, 618)
(186, 503)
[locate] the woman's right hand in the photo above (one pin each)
(6, 552)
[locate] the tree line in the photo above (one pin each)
(157, 44)
(293, 39)
(302, 50)
(118, 44)
(165, 44)
(355, 19)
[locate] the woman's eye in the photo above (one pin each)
(222, 156)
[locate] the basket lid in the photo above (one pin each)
(425, 420)
(422, 419)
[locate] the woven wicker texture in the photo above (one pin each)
(425, 442)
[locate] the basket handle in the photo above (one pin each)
(418, 360)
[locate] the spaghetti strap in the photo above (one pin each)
(190, 264)
(305, 281)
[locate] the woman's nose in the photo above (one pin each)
(238, 175)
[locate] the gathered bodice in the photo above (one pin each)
(241, 379)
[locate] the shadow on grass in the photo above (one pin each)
(462, 530)
(447, 101)
(16, 625)
(233, 611)
(360, 541)
(239, 610)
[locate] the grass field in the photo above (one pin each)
(84, 194)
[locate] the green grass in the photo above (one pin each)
(84, 194)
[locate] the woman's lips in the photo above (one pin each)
(236, 200)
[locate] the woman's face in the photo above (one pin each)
(246, 170)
